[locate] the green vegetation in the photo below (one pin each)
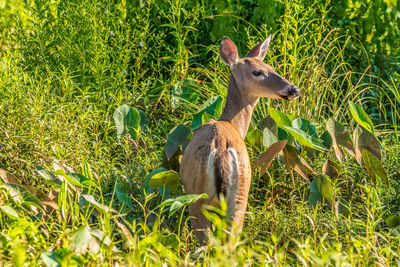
(99, 98)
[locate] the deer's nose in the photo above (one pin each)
(294, 91)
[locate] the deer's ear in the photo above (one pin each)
(260, 50)
(228, 51)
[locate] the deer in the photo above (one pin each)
(216, 161)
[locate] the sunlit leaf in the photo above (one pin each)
(49, 177)
(306, 126)
(169, 178)
(49, 258)
(80, 239)
(280, 118)
(303, 138)
(9, 211)
(361, 117)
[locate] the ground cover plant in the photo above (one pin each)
(99, 98)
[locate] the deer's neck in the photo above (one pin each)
(238, 108)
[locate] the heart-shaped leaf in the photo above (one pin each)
(361, 117)
(267, 157)
(176, 137)
(303, 138)
(341, 137)
(305, 126)
(80, 239)
(367, 141)
(293, 159)
(374, 167)
(127, 119)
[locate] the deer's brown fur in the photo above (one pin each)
(216, 160)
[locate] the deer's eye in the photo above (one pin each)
(257, 72)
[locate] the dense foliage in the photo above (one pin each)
(99, 98)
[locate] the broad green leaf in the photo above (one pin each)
(146, 189)
(393, 221)
(169, 178)
(178, 202)
(321, 186)
(9, 211)
(269, 137)
(305, 126)
(361, 117)
(127, 119)
(280, 118)
(80, 239)
(176, 137)
(303, 138)
(254, 138)
(374, 167)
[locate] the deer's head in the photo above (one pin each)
(254, 77)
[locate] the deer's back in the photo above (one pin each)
(213, 138)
